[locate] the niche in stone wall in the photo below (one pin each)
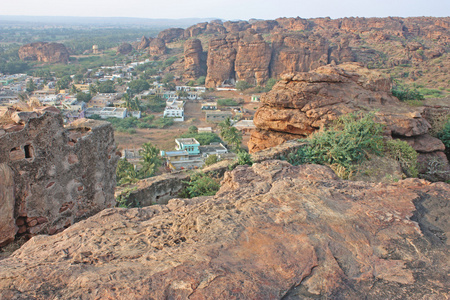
(28, 151)
(19, 153)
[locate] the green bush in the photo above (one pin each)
(163, 122)
(200, 184)
(243, 85)
(343, 144)
(405, 155)
(406, 94)
(444, 135)
(244, 158)
(226, 102)
(212, 159)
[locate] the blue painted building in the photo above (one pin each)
(189, 144)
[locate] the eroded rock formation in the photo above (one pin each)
(221, 59)
(194, 60)
(252, 59)
(171, 34)
(124, 48)
(272, 231)
(45, 52)
(301, 45)
(143, 44)
(157, 46)
(301, 103)
(52, 176)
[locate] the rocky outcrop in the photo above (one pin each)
(53, 176)
(124, 48)
(297, 53)
(157, 47)
(143, 44)
(221, 59)
(236, 26)
(171, 34)
(302, 103)
(264, 139)
(195, 30)
(264, 26)
(45, 52)
(252, 59)
(272, 231)
(194, 60)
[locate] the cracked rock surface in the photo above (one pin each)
(272, 231)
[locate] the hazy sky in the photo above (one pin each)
(226, 9)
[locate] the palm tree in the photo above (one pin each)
(150, 160)
(230, 134)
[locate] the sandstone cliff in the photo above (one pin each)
(272, 231)
(221, 59)
(45, 52)
(194, 60)
(52, 176)
(301, 45)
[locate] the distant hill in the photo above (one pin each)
(53, 20)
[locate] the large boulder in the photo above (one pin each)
(157, 46)
(124, 48)
(272, 231)
(45, 52)
(301, 103)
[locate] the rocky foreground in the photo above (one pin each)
(272, 231)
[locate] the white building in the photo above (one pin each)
(107, 112)
(174, 109)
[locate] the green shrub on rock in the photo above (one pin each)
(200, 184)
(405, 155)
(343, 144)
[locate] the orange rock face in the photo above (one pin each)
(157, 47)
(252, 59)
(221, 58)
(171, 34)
(304, 102)
(143, 44)
(194, 60)
(45, 52)
(273, 231)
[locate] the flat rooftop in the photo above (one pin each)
(187, 141)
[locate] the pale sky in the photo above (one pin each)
(226, 9)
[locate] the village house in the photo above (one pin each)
(107, 112)
(209, 106)
(174, 109)
(245, 126)
(217, 116)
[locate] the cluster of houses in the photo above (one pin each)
(189, 154)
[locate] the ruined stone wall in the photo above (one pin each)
(52, 176)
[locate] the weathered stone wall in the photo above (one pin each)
(58, 175)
